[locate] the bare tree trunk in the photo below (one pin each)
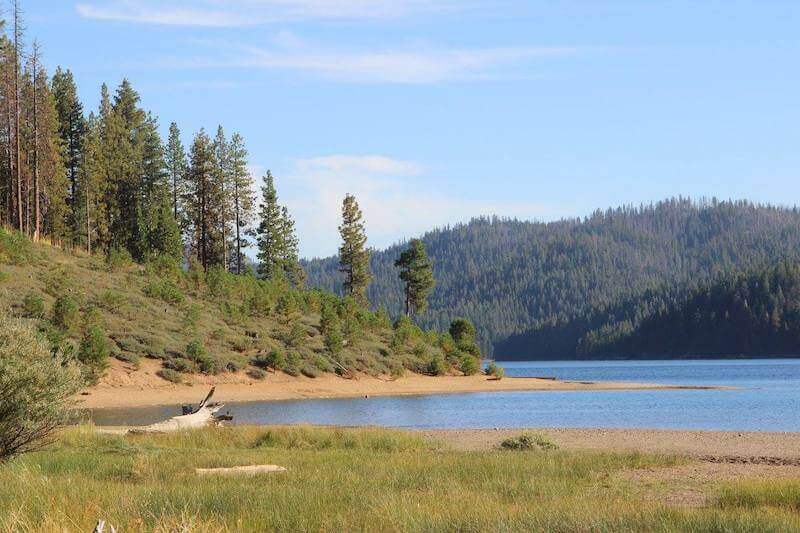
(37, 212)
(17, 157)
(238, 234)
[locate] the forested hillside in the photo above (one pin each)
(513, 278)
(754, 314)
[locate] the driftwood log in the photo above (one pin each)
(204, 415)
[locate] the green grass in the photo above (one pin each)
(341, 480)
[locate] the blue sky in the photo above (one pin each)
(434, 111)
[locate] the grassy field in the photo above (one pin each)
(359, 479)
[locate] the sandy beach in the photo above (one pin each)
(125, 387)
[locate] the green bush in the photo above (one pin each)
(33, 305)
(274, 359)
(197, 353)
(293, 364)
(65, 313)
(323, 363)
(469, 365)
(463, 333)
(181, 364)
(93, 352)
(15, 248)
(118, 258)
(170, 375)
(256, 373)
(296, 336)
(492, 369)
(436, 366)
(111, 300)
(528, 441)
(38, 386)
(334, 341)
(164, 290)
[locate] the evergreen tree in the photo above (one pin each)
(291, 250)
(90, 192)
(270, 232)
(416, 271)
(353, 254)
(72, 128)
(177, 165)
(243, 197)
(222, 177)
(204, 202)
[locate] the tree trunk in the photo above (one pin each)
(238, 234)
(37, 213)
(17, 34)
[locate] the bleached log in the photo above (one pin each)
(240, 470)
(204, 415)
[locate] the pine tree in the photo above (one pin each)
(242, 195)
(353, 255)
(416, 271)
(72, 128)
(271, 244)
(291, 250)
(222, 178)
(204, 201)
(177, 166)
(90, 190)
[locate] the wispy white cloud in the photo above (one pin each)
(419, 63)
(397, 199)
(233, 13)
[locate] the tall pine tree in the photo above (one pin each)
(269, 234)
(243, 198)
(416, 271)
(353, 254)
(177, 166)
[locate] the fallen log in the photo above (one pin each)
(240, 470)
(204, 415)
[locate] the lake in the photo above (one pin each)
(767, 398)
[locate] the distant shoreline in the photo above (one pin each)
(124, 387)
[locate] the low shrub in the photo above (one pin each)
(323, 363)
(127, 357)
(93, 351)
(170, 375)
(528, 441)
(65, 313)
(492, 369)
(164, 290)
(275, 359)
(436, 366)
(256, 373)
(33, 305)
(15, 248)
(118, 258)
(180, 364)
(469, 365)
(310, 371)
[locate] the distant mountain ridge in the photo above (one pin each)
(513, 278)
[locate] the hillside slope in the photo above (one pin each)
(212, 324)
(512, 277)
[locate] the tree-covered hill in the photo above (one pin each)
(512, 277)
(755, 314)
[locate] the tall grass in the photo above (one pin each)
(338, 480)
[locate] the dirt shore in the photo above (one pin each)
(125, 387)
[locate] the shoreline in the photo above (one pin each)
(125, 387)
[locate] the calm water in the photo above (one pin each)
(767, 398)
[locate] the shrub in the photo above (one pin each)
(118, 258)
(33, 305)
(164, 266)
(310, 371)
(126, 357)
(436, 366)
(463, 333)
(190, 317)
(492, 369)
(93, 353)
(322, 363)
(233, 365)
(469, 365)
(256, 373)
(37, 388)
(180, 364)
(170, 375)
(197, 353)
(334, 341)
(274, 359)
(111, 300)
(15, 248)
(528, 441)
(65, 313)
(296, 336)
(164, 290)
(293, 363)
